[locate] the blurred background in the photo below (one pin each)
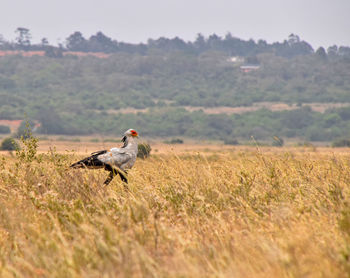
(177, 70)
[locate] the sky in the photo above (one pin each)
(319, 22)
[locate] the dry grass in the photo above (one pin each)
(237, 213)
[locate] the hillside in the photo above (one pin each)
(77, 94)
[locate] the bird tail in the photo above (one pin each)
(88, 162)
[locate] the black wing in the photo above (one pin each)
(99, 152)
(90, 162)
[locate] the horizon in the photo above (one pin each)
(320, 24)
(206, 36)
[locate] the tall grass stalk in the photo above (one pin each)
(234, 214)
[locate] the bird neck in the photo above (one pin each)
(129, 142)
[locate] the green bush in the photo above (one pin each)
(9, 144)
(144, 150)
(4, 129)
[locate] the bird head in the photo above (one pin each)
(129, 133)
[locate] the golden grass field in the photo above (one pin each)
(187, 212)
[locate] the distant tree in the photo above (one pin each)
(262, 43)
(293, 39)
(344, 51)
(235, 46)
(167, 45)
(200, 42)
(321, 53)
(179, 44)
(301, 48)
(332, 50)
(23, 37)
(53, 52)
(102, 43)
(292, 47)
(44, 42)
(76, 42)
(215, 42)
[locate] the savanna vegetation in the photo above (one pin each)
(298, 125)
(236, 213)
(233, 212)
(67, 94)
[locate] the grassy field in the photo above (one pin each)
(233, 212)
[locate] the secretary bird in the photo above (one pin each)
(116, 160)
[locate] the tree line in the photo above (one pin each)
(228, 44)
(299, 125)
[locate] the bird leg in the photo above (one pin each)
(110, 177)
(114, 172)
(123, 176)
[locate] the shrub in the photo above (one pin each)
(25, 126)
(231, 141)
(341, 143)
(175, 141)
(9, 144)
(29, 143)
(4, 129)
(144, 150)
